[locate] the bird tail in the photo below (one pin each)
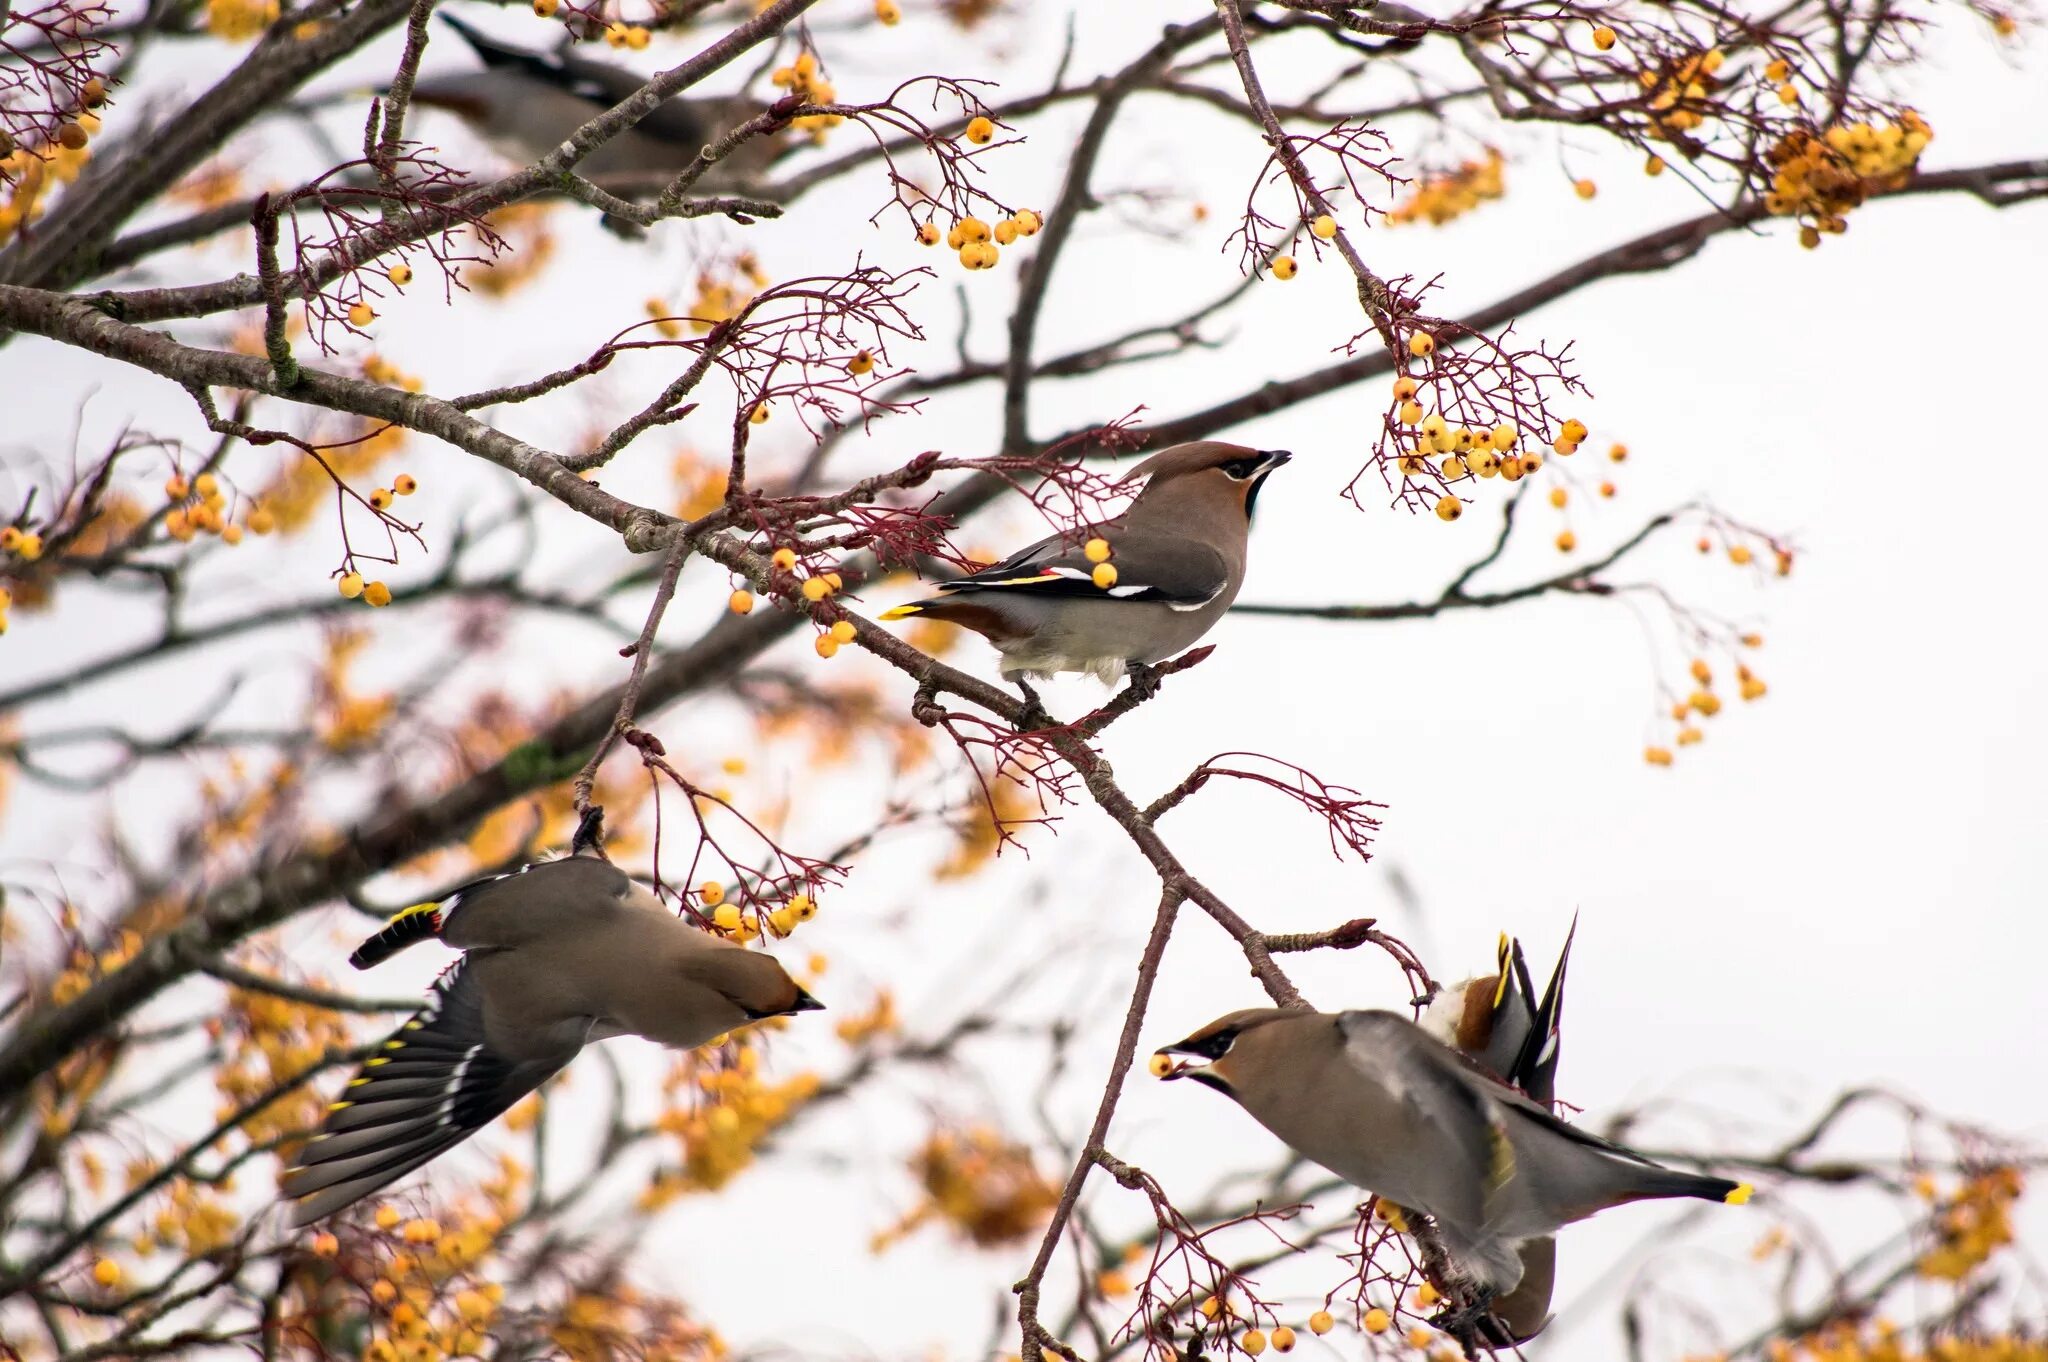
(1657, 1182)
(902, 611)
(407, 927)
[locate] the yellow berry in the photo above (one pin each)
(726, 917)
(1739, 554)
(1503, 437)
(546, 8)
(1619, 453)
(1161, 1065)
(1566, 541)
(862, 362)
(803, 910)
(1324, 227)
(107, 1272)
(231, 534)
(816, 589)
(1321, 1321)
(1573, 430)
(928, 234)
(741, 602)
(1689, 735)
(380, 498)
(1558, 497)
(843, 630)
(1404, 387)
(980, 130)
(1426, 1295)
(351, 585)
(1283, 1340)
(360, 314)
(1449, 508)
(1212, 1306)
(206, 485)
(1585, 189)
(825, 644)
(377, 594)
(1006, 231)
(405, 484)
(759, 415)
(1028, 222)
(1654, 166)
(972, 230)
(1657, 756)
(1603, 37)
(1706, 702)
(1104, 575)
(1485, 463)
(262, 521)
(176, 488)
(1410, 412)
(1753, 689)
(1422, 345)
(1253, 1341)
(325, 1245)
(1284, 267)
(887, 13)
(1453, 468)
(1513, 467)
(784, 559)
(1701, 672)
(399, 275)
(387, 1217)
(1096, 550)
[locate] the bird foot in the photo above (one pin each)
(1032, 717)
(1143, 681)
(1471, 1322)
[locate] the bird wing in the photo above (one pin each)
(432, 1085)
(574, 893)
(1182, 573)
(1514, 1012)
(1441, 1087)
(1534, 1069)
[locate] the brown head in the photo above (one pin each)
(1208, 468)
(1239, 1044)
(755, 983)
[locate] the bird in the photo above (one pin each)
(1377, 1100)
(1115, 597)
(525, 104)
(1498, 1021)
(555, 956)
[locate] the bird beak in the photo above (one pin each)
(1274, 458)
(806, 1003)
(1166, 1067)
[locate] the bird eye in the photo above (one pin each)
(1248, 467)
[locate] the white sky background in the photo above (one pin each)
(1839, 887)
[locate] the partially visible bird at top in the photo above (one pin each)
(1498, 1021)
(555, 956)
(1119, 596)
(1383, 1104)
(526, 103)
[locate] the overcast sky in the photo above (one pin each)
(1843, 885)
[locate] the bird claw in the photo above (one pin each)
(1469, 1322)
(1032, 717)
(1143, 681)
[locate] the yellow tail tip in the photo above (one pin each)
(900, 612)
(1741, 1195)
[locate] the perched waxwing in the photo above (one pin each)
(525, 104)
(555, 956)
(1497, 1020)
(1125, 593)
(1384, 1105)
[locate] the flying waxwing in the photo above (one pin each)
(1497, 1021)
(555, 956)
(1125, 593)
(525, 104)
(1384, 1105)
